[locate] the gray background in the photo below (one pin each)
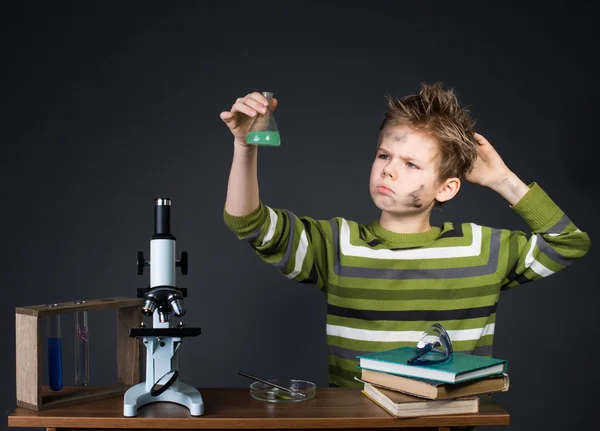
(110, 104)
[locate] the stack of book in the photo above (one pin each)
(451, 387)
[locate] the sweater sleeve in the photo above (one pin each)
(555, 242)
(296, 246)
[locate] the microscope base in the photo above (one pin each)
(187, 396)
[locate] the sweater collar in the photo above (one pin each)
(404, 239)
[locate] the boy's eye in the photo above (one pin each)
(411, 165)
(383, 156)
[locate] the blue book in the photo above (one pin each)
(461, 367)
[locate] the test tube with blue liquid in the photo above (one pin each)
(82, 348)
(55, 374)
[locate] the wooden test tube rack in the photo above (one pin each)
(28, 335)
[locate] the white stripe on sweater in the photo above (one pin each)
(473, 249)
(558, 234)
(300, 255)
(272, 226)
(404, 336)
(531, 262)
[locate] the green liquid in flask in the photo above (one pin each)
(264, 138)
(264, 130)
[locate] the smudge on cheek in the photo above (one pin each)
(415, 197)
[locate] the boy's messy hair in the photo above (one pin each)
(437, 113)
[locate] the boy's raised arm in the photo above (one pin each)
(242, 189)
(555, 242)
(296, 246)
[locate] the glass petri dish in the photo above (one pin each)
(264, 392)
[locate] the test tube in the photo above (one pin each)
(82, 349)
(55, 376)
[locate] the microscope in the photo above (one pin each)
(162, 299)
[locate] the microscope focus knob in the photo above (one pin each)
(183, 263)
(141, 262)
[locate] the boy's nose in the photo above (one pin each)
(388, 171)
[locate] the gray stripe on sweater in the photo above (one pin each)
(398, 274)
(253, 235)
(285, 260)
(480, 351)
(344, 353)
(560, 225)
(552, 254)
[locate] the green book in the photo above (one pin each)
(461, 367)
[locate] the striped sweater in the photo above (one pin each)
(383, 288)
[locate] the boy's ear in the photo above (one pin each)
(448, 189)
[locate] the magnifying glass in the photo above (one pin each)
(435, 347)
(164, 383)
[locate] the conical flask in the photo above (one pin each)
(264, 130)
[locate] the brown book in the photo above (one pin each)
(406, 406)
(435, 390)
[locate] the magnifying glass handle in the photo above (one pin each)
(425, 349)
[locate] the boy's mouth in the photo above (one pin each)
(383, 189)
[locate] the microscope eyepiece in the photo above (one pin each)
(162, 202)
(162, 217)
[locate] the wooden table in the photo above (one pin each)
(234, 408)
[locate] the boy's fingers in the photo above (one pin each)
(255, 104)
(226, 116)
(259, 98)
(243, 108)
(250, 105)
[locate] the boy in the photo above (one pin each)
(386, 281)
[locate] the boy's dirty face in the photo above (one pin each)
(404, 173)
